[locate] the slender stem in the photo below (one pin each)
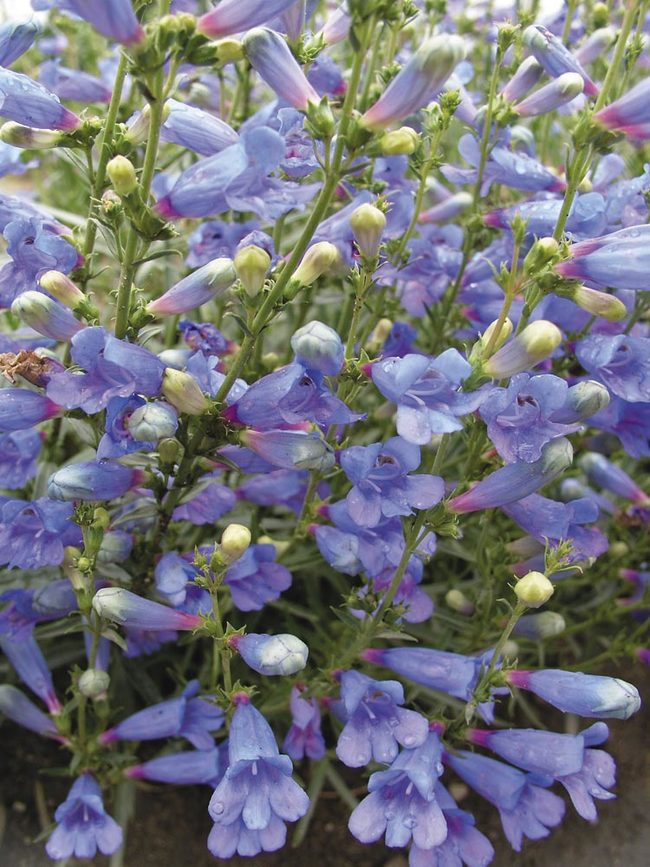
(105, 150)
(613, 71)
(219, 652)
(148, 169)
(507, 302)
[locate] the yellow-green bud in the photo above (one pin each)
(71, 570)
(535, 343)
(534, 589)
(368, 224)
(457, 601)
(252, 264)
(229, 50)
(169, 450)
(29, 137)
(121, 173)
(599, 303)
(270, 360)
(235, 540)
(399, 141)
(478, 350)
(543, 251)
(183, 392)
(62, 288)
(317, 260)
(618, 550)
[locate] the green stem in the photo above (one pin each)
(148, 169)
(619, 52)
(219, 651)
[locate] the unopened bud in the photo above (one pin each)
(535, 343)
(235, 540)
(121, 173)
(229, 50)
(599, 303)
(152, 422)
(403, 141)
(583, 400)
(457, 601)
(318, 259)
(252, 264)
(93, 683)
(558, 92)
(546, 624)
(111, 203)
(183, 392)
(543, 251)
(272, 654)
(534, 589)
(62, 288)
(45, 315)
(318, 347)
(368, 224)
(478, 350)
(381, 332)
(169, 450)
(20, 136)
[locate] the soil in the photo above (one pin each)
(171, 823)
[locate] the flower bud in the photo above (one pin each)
(318, 259)
(599, 303)
(418, 81)
(184, 392)
(551, 96)
(207, 282)
(271, 58)
(152, 422)
(318, 347)
(128, 609)
(380, 334)
(484, 340)
(290, 449)
(272, 654)
(229, 50)
(252, 264)
(121, 173)
(46, 315)
(582, 401)
(92, 480)
(115, 547)
(457, 601)
(447, 209)
(399, 142)
(235, 540)
(20, 136)
(93, 683)
(536, 627)
(588, 695)
(62, 288)
(526, 76)
(555, 57)
(169, 450)
(612, 478)
(535, 343)
(534, 589)
(368, 224)
(543, 251)
(234, 16)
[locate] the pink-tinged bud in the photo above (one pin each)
(534, 589)
(20, 136)
(21, 409)
(368, 223)
(587, 695)
(555, 57)
(535, 343)
(235, 16)
(130, 610)
(199, 287)
(596, 45)
(418, 82)
(526, 76)
(515, 481)
(629, 113)
(599, 303)
(337, 27)
(612, 478)
(291, 449)
(183, 392)
(448, 209)
(554, 94)
(62, 288)
(46, 315)
(271, 58)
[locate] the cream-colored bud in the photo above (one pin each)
(183, 392)
(368, 224)
(62, 288)
(235, 540)
(534, 589)
(402, 141)
(252, 264)
(121, 173)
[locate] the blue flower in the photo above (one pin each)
(83, 824)
(621, 362)
(588, 695)
(526, 809)
(27, 102)
(19, 709)
(195, 129)
(34, 533)
(189, 768)
(382, 486)
(15, 39)
(402, 801)
(207, 504)
(375, 721)
(73, 83)
(304, 737)
(18, 457)
(427, 393)
(185, 716)
(257, 795)
(114, 19)
(256, 579)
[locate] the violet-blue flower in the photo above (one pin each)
(304, 737)
(25, 101)
(188, 768)
(34, 533)
(588, 695)
(257, 795)
(375, 721)
(83, 825)
(256, 579)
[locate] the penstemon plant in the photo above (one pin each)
(410, 409)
